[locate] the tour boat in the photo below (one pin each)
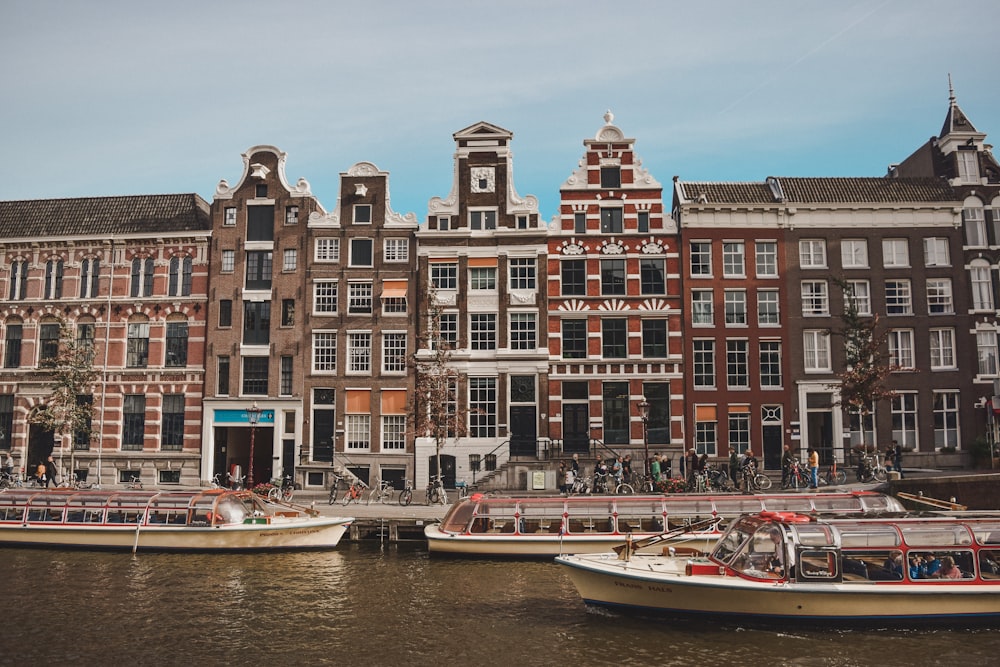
(786, 566)
(550, 525)
(208, 520)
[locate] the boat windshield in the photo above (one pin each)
(755, 549)
(732, 541)
(230, 509)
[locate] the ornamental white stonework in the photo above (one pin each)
(484, 179)
(614, 304)
(572, 248)
(574, 305)
(613, 247)
(521, 297)
(652, 248)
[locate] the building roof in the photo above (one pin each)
(847, 190)
(97, 216)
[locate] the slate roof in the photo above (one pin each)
(847, 190)
(97, 216)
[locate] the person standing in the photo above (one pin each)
(8, 464)
(786, 465)
(691, 466)
(895, 459)
(654, 468)
(813, 469)
(734, 465)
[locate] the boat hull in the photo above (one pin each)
(659, 586)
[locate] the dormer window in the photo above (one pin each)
(968, 166)
(611, 177)
(362, 214)
(260, 191)
(483, 220)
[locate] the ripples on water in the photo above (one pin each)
(392, 605)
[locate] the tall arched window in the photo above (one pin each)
(138, 343)
(180, 276)
(982, 285)
(142, 276)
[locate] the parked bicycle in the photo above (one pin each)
(834, 475)
(380, 492)
(406, 495)
(354, 492)
(436, 493)
(871, 469)
(335, 487)
(74, 482)
(797, 477)
(717, 479)
(581, 485)
(282, 490)
(754, 481)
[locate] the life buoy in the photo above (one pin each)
(786, 517)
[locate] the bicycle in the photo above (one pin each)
(354, 493)
(797, 477)
(463, 490)
(381, 491)
(74, 482)
(335, 488)
(436, 493)
(755, 481)
(406, 495)
(282, 490)
(833, 476)
(718, 479)
(872, 469)
(10, 480)
(623, 488)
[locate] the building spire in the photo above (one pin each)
(951, 90)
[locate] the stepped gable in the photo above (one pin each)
(86, 216)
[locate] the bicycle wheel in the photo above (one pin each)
(273, 494)
(373, 493)
(346, 500)
(762, 482)
(834, 478)
(879, 474)
(624, 489)
(286, 493)
(333, 493)
(405, 497)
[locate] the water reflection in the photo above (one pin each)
(383, 606)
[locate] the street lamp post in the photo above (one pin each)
(644, 415)
(253, 416)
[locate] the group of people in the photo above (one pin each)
(788, 461)
(619, 469)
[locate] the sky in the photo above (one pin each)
(117, 97)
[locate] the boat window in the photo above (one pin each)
(13, 514)
(815, 534)
(788, 504)
(497, 517)
(880, 503)
(541, 517)
(763, 555)
(703, 508)
(818, 565)
(868, 536)
(120, 515)
(836, 504)
(946, 565)
(936, 536)
(591, 517)
(987, 533)
(989, 563)
(732, 541)
(737, 506)
(457, 518)
(873, 565)
(230, 509)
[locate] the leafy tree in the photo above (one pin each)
(72, 376)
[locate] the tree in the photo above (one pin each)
(866, 359)
(72, 377)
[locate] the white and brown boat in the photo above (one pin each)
(208, 520)
(524, 527)
(785, 566)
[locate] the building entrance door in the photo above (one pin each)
(576, 428)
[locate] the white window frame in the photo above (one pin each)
(904, 419)
(900, 342)
(937, 251)
(228, 263)
(702, 307)
(815, 298)
(357, 432)
(769, 356)
(980, 279)
(703, 358)
(898, 296)
(860, 293)
(327, 249)
(324, 351)
(987, 352)
(947, 428)
(940, 299)
(854, 253)
(359, 353)
(395, 250)
(358, 220)
(482, 331)
(371, 252)
(326, 295)
(394, 352)
(968, 166)
(974, 226)
(523, 330)
(737, 363)
(705, 267)
(942, 348)
(359, 293)
(816, 351)
(736, 307)
(734, 259)
(482, 279)
(523, 273)
(768, 308)
(229, 219)
(812, 253)
(895, 253)
(393, 432)
(484, 215)
(766, 259)
(290, 259)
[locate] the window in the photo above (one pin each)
(290, 261)
(394, 297)
(359, 298)
(901, 348)
(444, 275)
(172, 429)
(704, 364)
(177, 344)
(939, 299)
(448, 330)
(255, 376)
(968, 165)
(854, 253)
(986, 347)
(737, 367)
(18, 279)
(483, 278)
(222, 383)
(766, 259)
(975, 226)
(523, 331)
(611, 177)
(362, 214)
(359, 352)
(230, 218)
(327, 250)
(90, 272)
(904, 420)
(482, 407)
(228, 261)
(522, 273)
(982, 286)
(895, 253)
(733, 260)
(260, 223)
(256, 322)
(739, 428)
(705, 429)
(138, 345)
(614, 338)
(133, 422)
(574, 339)
(736, 306)
(611, 221)
(942, 344)
(225, 313)
(324, 345)
(180, 276)
(812, 254)
(936, 252)
(574, 277)
(701, 307)
(361, 252)
(768, 308)
(288, 312)
(654, 339)
(396, 250)
(259, 270)
(12, 345)
(946, 419)
(770, 363)
(7, 417)
(85, 337)
(443, 223)
(898, 299)
(285, 386)
(53, 279)
(482, 220)
(48, 341)
(291, 215)
(325, 297)
(815, 299)
(859, 294)
(816, 345)
(580, 222)
(612, 276)
(394, 432)
(483, 331)
(642, 221)
(701, 258)
(393, 352)
(521, 221)
(652, 276)
(141, 277)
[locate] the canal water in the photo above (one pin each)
(393, 605)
